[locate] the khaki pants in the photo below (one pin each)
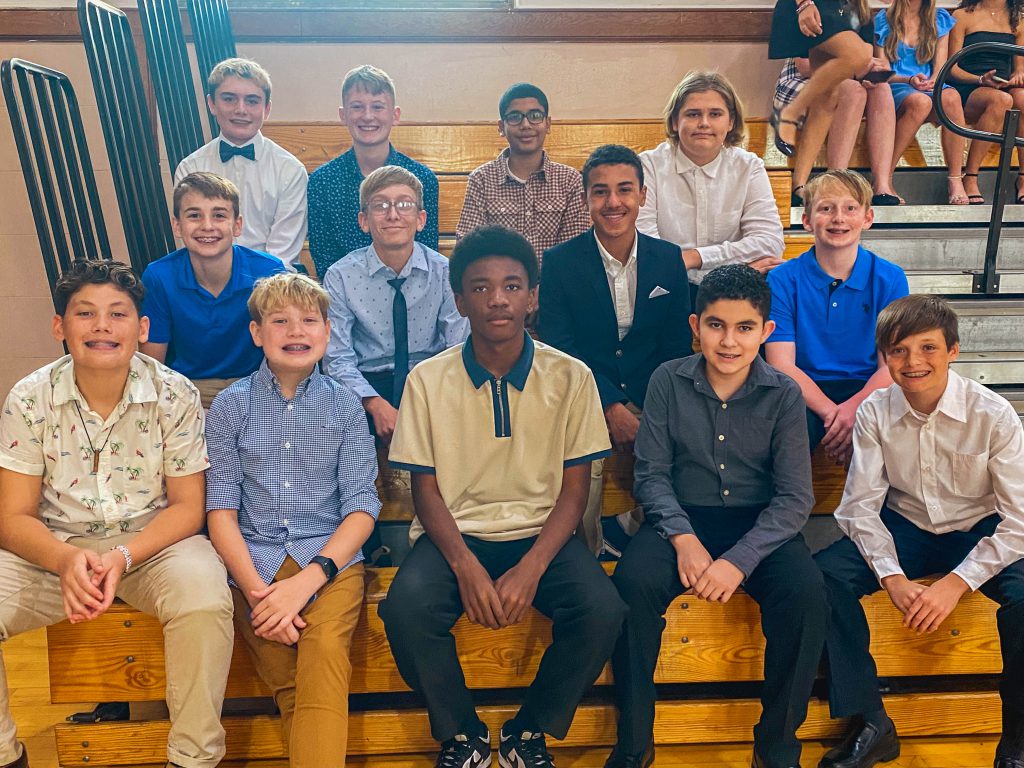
(210, 388)
(185, 588)
(590, 527)
(310, 680)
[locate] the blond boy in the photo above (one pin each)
(824, 305)
(369, 113)
(290, 501)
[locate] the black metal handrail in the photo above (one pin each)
(213, 38)
(127, 132)
(180, 118)
(56, 164)
(988, 281)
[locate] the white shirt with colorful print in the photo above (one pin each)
(157, 429)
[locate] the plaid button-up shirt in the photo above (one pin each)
(547, 209)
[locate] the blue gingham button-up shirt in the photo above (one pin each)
(293, 469)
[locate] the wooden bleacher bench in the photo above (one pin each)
(120, 657)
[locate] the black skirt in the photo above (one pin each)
(788, 41)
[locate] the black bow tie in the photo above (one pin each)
(227, 151)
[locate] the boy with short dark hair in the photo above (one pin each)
(936, 485)
(368, 111)
(270, 179)
(101, 496)
(724, 477)
(619, 301)
(496, 509)
(824, 305)
(196, 296)
(523, 188)
(294, 552)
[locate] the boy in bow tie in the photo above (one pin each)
(271, 181)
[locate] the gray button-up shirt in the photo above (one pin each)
(750, 451)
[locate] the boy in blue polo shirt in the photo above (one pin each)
(196, 296)
(824, 305)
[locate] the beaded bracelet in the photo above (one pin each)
(804, 6)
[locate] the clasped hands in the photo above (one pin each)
(711, 580)
(498, 603)
(924, 608)
(88, 582)
(276, 608)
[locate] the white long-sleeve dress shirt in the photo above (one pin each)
(272, 194)
(725, 209)
(944, 472)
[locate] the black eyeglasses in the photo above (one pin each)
(535, 116)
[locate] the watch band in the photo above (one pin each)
(330, 569)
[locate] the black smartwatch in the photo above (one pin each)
(330, 569)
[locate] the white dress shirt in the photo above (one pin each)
(943, 472)
(272, 194)
(622, 284)
(725, 209)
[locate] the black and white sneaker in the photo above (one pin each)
(523, 750)
(462, 751)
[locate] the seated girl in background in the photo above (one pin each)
(989, 83)
(912, 36)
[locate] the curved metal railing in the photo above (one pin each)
(988, 281)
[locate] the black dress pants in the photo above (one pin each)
(794, 616)
(423, 604)
(853, 677)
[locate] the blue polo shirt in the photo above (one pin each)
(208, 336)
(833, 322)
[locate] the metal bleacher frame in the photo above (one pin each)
(986, 282)
(171, 71)
(127, 131)
(212, 36)
(56, 164)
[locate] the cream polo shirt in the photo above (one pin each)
(156, 430)
(499, 446)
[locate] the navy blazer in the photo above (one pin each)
(577, 314)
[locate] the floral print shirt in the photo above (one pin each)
(156, 430)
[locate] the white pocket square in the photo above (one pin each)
(658, 291)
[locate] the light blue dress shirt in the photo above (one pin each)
(294, 469)
(362, 333)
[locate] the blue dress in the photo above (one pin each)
(906, 62)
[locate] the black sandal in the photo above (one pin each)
(776, 120)
(796, 200)
(978, 199)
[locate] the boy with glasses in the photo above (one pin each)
(522, 188)
(391, 303)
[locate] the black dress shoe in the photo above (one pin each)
(758, 762)
(619, 759)
(863, 747)
(1008, 762)
(776, 119)
(21, 762)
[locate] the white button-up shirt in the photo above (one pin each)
(944, 472)
(272, 194)
(622, 284)
(156, 430)
(725, 209)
